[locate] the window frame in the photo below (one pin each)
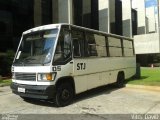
(82, 47)
(62, 62)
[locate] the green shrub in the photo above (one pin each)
(6, 63)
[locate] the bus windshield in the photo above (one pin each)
(36, 48)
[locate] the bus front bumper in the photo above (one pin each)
(34, 91)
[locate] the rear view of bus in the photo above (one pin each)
(60, 60)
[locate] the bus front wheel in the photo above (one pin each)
(120, 80)
(64, 95)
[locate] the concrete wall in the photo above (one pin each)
(65, 11)
(62, 11)
(37, 13)
(107, 16)
(112, 16)
(156, 18)
(139, 5)
(150, 13)
(147, 43)
(147, 23)
(55, 11)
(126, 17)
(86, 11)
(104, 21)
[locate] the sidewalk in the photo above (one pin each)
(152, 88)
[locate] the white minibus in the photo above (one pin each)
(58, 61)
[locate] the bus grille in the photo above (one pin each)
(25, 76)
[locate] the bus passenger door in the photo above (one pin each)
(79, 63)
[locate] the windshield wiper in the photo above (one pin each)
(28, 59)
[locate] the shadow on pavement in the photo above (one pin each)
(132, 79)
(82, 96)
(95, 92)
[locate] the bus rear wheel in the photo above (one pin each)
(120, 80)
(64, 95)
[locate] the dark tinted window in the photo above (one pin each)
(78, 43)
(63, 48)
(96, 45)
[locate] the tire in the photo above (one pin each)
(64, 95)
(120, 80)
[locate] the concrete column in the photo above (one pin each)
(112, 17)
(150, 13)
(139, 5)
(78, 14)
(94, 15)
(104, 17)
(55, 11)
(86, 10)
(127, 18)
(37, 13)
(65, 11)
(107, 16)
(158, 6)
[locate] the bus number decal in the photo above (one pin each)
(81, 66)
(57, 68)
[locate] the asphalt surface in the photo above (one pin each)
(98, 103)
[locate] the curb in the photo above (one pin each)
(152, 88)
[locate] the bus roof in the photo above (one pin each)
(52, 26)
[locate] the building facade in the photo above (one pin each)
(129, 18)
(147, 40)
(17, 16)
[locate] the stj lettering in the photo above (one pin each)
(81, 66)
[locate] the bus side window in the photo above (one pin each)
(78, 43)
(91, 44)
(63, 49)
(76, 47)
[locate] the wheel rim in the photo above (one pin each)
(65, 95)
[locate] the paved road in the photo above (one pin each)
(99, 101)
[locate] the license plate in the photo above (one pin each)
(21, 90)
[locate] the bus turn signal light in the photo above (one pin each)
(49, 76)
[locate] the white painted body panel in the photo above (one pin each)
(32, 69)
(101, 71)
(98, 72)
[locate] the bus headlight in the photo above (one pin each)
(46, 76)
